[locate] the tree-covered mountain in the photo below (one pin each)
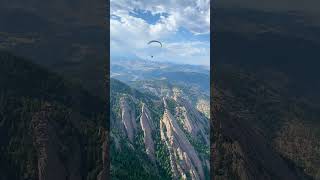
(265, 97)
(51, 128)
(156, 136)
(260, 132)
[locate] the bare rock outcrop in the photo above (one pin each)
(194, 122)
(128, 118)
(204, 107)
(184, 159)
(147, 128)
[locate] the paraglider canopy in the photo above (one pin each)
(155, 41)
(153, 48)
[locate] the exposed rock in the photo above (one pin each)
(193, 121)
(183, 152)
(204, 107)
(128, 118)
(147, 128)
(184, 159)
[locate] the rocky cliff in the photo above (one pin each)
(168, 132)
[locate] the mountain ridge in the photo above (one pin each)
(154, 140)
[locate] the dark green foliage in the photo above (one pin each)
(171, 106)
(265, 106)
(162, 155)
(131, 164)
(75, 118)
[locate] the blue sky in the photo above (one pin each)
(183, 27)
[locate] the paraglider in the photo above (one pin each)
(154, 42)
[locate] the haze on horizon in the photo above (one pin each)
(183, 27)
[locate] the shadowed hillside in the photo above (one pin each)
(266, 102)
(50, 127)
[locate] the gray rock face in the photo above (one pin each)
(128, 118)
(147, 128)
(193, 121)
(184, 159)
(184, 132)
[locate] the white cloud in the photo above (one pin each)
(188, 52)
(188, 48)
(193, 15)
(131, 33)
(179, 52)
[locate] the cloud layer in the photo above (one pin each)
(130, 34)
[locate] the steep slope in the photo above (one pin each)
(143, 129)
(250, 119)
(50, 128)
(147, 128)
(266, 95)
(183, 157)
